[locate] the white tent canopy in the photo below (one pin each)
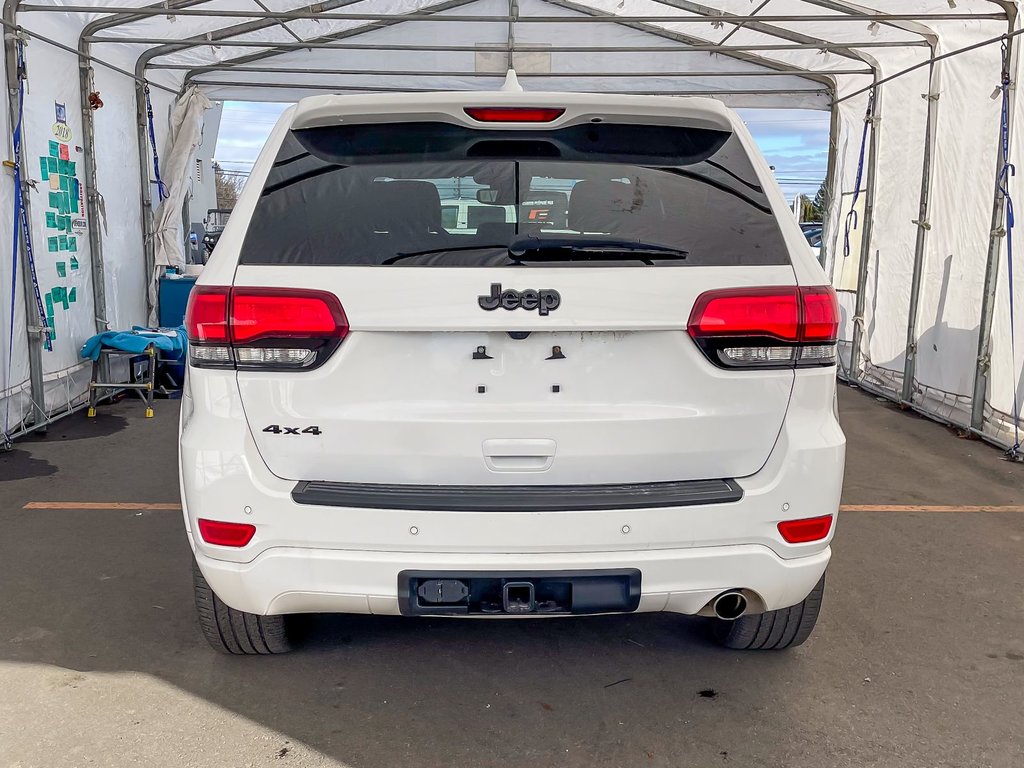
(916, 231)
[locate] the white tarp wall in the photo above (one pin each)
(829, 62)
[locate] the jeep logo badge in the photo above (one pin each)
(545, 300)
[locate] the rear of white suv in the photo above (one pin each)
(628, 407)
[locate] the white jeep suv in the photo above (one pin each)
(625, 407)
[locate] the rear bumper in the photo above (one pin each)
(294, 580)
(318, 558)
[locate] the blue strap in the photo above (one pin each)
(23, 229)
(160, 187)
(1006, 172)
(852, 219)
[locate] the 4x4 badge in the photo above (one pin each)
(544, 301)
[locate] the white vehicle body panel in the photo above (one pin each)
(399, 402)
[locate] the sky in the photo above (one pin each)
(795, 142)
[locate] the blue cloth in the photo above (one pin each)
(136, 340)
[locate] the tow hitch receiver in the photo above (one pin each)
(518, 597)
(423, 593)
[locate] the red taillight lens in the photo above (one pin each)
(803, 531)
(206, 318)
(266, 328)
(259, 314)
(773, 312)
(226, 534)
(767, 327)
(821, 313)
(515, 114)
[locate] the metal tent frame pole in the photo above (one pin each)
(995, 247)
(34, 332)
(923, 227)
(865, 246)
(714, 17)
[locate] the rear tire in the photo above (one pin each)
(236, 632)
(773, 630)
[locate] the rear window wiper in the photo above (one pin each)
(592, 248)
(430, 251)
(561, 249)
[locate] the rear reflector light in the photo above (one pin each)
(270, 329)
(803, 531)
(515, 114)
(767, 327)
(226, 534)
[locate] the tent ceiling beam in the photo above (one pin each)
(501, 75)
(1007, 36)
(761, 25)
(679, 37)
(713, 20)
(334, 37)
(327, 88)
(520, 47)
(738, 27)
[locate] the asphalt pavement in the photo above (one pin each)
(917, 661)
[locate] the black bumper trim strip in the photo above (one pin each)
(516, 498)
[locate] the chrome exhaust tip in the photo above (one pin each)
(730, 605)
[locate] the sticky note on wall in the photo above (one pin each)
(54, 150)
(51, 220)
(73, 244)
(62, 269)
(44, 168)
(52, 244)
(73, 296)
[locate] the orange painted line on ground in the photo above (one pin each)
(930, 508)
(843, 508)
(97, 505)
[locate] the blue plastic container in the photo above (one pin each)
(174, 291)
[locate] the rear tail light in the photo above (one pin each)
(515, 114)
(803, 531)
(263, 328)
(226, 534)
(767, 327)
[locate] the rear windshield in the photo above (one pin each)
(433, 194)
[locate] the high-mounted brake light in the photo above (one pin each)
(778, 327)
(226, 534)
(265, 328)
(515, 114)
(803, 531)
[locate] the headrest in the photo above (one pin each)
(405, 206)
(602, 206)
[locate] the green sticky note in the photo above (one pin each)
(64, 298)
(74, 263)
(54, 149)
(52, 244)
(73, 244)
(49, 305)
(51, 220)
(62, 243)
(62, 269)
(55, 199)
(44, 168)
(64, 186)
(73, 295)
(72, 168)
(52, 164)
(74, 203)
